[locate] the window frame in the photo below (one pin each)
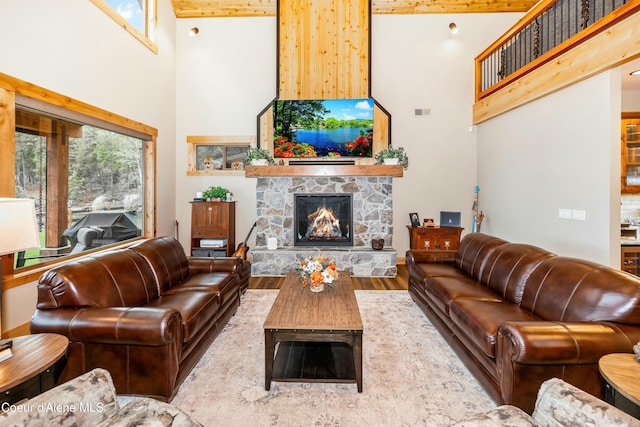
(12, 88)
(224, 141)
(149, 37)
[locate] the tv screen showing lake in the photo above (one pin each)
(328, 140)
(319, 128)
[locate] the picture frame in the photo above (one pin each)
(415, 219)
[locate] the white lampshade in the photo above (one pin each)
(18, 225)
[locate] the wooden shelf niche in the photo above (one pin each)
(231, 156)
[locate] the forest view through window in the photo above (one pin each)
(87, 183)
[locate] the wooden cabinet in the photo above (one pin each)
(213, 221)
(630, 259)
(630, 153)
(435, 238)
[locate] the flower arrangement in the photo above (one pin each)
(393, 153)
(315, 271)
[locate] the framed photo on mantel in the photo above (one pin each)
(415, 219)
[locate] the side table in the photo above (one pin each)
(34, 367)
(621, 381)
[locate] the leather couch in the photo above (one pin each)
(518, 315)
(145, 313)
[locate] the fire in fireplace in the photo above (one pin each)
(324, 219)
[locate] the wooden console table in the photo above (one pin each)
(34, 367)
(621, 381)
(435, 238)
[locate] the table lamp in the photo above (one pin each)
(18, 230)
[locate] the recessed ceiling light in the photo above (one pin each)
(635, 73)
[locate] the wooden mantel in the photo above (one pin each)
(394, 171)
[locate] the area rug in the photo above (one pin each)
(410, 375)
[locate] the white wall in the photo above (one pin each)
(227, 74)
(73, 48)
(631, 100)
(562, 151)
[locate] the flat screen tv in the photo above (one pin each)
(323, 128)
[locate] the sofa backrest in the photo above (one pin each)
(119, 278)
(167, 260)
(473, 251)
(508, 266)
(574, 290)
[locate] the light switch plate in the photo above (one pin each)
(564, 213)
(579, 215)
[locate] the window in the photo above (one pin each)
(87, 183)
(41, 134)
(214, 155)
(139, 17)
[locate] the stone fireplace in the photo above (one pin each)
(323, 219)
(371, 209)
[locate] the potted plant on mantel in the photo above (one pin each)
(258, 157)
(392, 156)
(216, 194)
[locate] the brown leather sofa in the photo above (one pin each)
(518, 315)
(146, 313)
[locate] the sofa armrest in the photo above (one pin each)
(143, 326)
(560, 403)
(419, 256)
(86, 400)
(561, 343)
(214, 265)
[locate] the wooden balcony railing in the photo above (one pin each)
(548, 30)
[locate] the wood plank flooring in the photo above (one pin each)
(359, 283)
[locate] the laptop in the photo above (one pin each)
(449, 219)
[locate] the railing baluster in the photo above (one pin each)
(549, 26)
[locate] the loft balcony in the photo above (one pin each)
(557, 43)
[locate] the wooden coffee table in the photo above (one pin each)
(318, 336)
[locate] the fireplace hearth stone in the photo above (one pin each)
(372, 219)
(358, 261)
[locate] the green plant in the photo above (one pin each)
(255, 153)
(393, 153)
(216, 193)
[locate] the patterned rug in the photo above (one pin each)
(410, 375)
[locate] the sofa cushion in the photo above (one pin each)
(503, 416)
(196, 308)
(167, 259)
(119, 278)
(442, 290)
(575, 290)
(223, 284)
(473, 251)
(508, 266)
(478, 321)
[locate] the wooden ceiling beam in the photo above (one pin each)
(246, 8)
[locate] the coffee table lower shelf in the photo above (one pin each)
(314, 362)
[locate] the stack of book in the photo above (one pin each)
(5, 349)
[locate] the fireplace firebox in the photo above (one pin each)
(324, 219)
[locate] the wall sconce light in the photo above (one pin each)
(453, 27)
(635, 73)
(194, 32)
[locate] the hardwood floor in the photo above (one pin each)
(359, 283)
